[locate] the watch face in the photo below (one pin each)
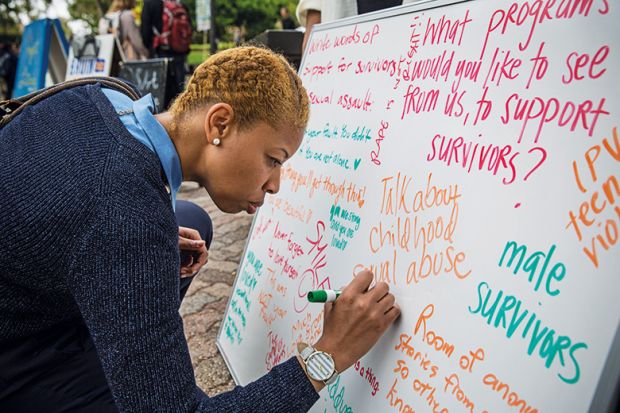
(320, 366)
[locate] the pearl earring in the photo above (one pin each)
(216, 141)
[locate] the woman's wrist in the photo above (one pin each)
(340, 357)
(318, 385)
(340, 361)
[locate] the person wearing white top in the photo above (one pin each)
(120, 21)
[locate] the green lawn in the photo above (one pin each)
(198, 53)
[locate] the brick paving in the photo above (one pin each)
(205, 303)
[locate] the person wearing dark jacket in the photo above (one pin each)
(8, 67)
(151, 24)
(89, 253)
(151, 18)
(285, 18)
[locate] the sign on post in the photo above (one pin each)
(203, 15)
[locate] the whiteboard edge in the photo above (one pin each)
(226, 360)
(219, 333)
(606, 395)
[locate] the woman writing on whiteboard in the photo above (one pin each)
(89, 253)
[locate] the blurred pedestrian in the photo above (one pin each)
(285, 18)
(120, 21)
(166, 32)
(236, 34)
(8, 67)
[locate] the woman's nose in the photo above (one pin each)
(272, 186)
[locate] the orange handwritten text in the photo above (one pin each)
(453, 386)
(430, 337)
(338, 190)
(419, 357)
(599, 214)
(511, 398)
(430, 241)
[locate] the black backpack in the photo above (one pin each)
(10, 108)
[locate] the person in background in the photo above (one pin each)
(89, 253)
(8, 67)
(286, 20)
(311, 12)
(236, 35)
(120, 21)
(151, 27)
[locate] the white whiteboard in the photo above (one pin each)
(372, 180)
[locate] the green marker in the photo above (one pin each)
(323, 296)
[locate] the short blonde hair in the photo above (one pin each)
(258, 84)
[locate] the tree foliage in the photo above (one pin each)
(254, 15)
(10, 10)
(88, 11)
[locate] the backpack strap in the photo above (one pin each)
(10, 108)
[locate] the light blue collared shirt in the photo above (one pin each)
(138, 118)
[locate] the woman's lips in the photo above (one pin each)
(253, 207)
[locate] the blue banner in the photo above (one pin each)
(34, 55)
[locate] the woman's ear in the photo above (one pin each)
(218, 122)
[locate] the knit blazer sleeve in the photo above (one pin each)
(125, 279)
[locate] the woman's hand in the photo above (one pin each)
(193, 251)
(356, 320)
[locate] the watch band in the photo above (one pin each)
(305, 350)
(332, 378)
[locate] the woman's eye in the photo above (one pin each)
(275, 162)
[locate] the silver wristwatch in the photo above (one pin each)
(320, 366)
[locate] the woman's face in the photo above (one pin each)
(246, 165)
